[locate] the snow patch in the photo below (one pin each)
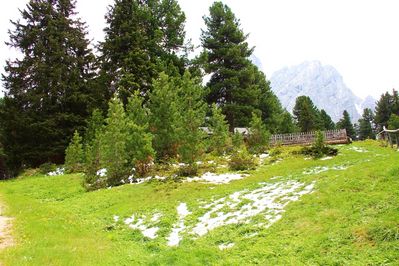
(326, 158)
(148, 230)
(321, 169)
(174, 237)
(213, 178)
(102, 172)
(358, 149)
(268, 200)
(226, 246)
(58, 171)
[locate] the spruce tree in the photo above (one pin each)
(327, 123)
(74, 157)
(192, 117)
(286, 123)
(365, 125)
(48, 90)
(306, 114)
(232, 84)
(220, 140)
(345, 123)
(141, 39)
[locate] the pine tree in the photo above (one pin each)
(286, 124)
(259, 136)
(74, 157)
(219, 140)
(365, 125)
(192, 117)
(139, 142)
(232, 84)
(306, 114)
(94, 124)
(113, 144)
(345, 123)
(141, 39)
(48, 94)
(383, 110)
(164, 104)
(327, 123)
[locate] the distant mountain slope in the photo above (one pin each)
(323, 84)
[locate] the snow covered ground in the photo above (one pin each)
(267, 201)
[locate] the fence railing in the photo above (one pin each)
(337, 136)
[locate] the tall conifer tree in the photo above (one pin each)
(232, 84)
(345, 123)
(142, 38)
(48, 92)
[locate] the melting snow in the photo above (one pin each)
(174, 238)
(146, 230)
(326, 158)
(102, 172)
(58, 171)
(357, 149)
(226, 246)
(268, 200)
(321, 169)
(216, 179)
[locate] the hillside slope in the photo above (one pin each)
(290, 211)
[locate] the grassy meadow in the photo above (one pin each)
(350, 218)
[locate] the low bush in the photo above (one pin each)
(188, 170)
(241, 159)
(319, 148)
(47, 168)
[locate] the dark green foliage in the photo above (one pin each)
(48, 93)
(233, 83)
(74, 157)
(241, 160)
(326, 120)
(366, 125)
(306, 114)
(142, 38)
(220, 140)
(259, 136)
(319, 148)
(46, 168)
(345, 123)
(188, 170)
(393, 122)
(387, 105)
(94, 124)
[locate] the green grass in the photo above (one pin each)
(352, 218)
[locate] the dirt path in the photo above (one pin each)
(6, 239)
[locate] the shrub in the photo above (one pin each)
(237, 140)
(241, 159)
(319, 149)
(188, 170)
(47, 168)
(220, 140)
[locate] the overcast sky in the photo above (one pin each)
(360, 38)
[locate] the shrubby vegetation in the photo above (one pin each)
(319, 148)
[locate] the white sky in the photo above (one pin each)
(360, 38)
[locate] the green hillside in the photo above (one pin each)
(291, 210)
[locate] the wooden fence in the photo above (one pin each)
(338, 136)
